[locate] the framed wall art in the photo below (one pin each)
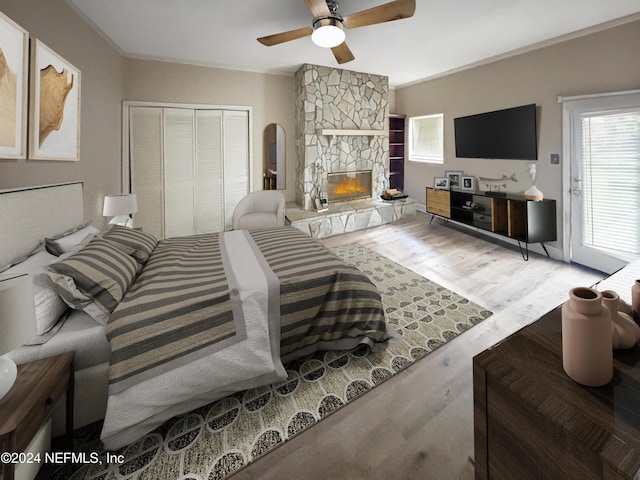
(54, 124)
(14, 73)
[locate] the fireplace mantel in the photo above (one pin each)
(348, 132)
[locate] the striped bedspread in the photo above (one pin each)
(178, 340)
(179, 307)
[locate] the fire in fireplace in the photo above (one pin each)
(344, 186)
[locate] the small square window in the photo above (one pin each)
(426, 140)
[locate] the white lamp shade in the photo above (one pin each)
(115, 205)
(8, 374)
(328, 33)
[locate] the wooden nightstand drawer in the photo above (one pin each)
(28, 405)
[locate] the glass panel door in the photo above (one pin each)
(605, 181)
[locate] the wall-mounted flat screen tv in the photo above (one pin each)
(504, 134)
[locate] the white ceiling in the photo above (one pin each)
(442, 36)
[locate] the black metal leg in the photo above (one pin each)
(545, 249)
(525, 253)
(431, 219)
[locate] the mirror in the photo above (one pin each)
(273, 171)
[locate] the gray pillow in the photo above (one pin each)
(141, 242)
(94, 279)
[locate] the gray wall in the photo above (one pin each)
(102, 90)
(600, 62)
(271, 97)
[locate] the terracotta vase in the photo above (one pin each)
(635, 299)
(625, 332)
(587, 353)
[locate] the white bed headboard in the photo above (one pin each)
(29, 214)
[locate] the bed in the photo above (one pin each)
(192, 319)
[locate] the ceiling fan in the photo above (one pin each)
(328, 26)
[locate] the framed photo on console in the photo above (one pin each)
(468, 184)
(454, 177)
(441, 183)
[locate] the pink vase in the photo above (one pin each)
(635, 300)
(625, 332)
(587, 353)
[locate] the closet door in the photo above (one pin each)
(209, 186)
(236, 161)
(145, 164)
(179, 187)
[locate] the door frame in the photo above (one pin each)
(567, 150)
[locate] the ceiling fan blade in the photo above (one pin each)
(382, 13)
(342, 53)
(278, 38)
(318, 8)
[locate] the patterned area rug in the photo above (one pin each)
(220, 438)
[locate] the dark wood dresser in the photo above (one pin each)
(532, 421)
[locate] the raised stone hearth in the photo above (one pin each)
(349, 216)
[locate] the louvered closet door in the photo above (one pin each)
(209, 187)
(236, 161)
(179, 188)
(145, 163)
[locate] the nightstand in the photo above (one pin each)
(28, 405)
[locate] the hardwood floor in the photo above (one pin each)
(419, 424)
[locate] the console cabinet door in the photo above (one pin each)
(439, 202)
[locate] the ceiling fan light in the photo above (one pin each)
(328, 32)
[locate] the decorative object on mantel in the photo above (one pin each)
(120, 207)
(635, 299)
(533, 193)
(496, 183)
(625, 332)
(587, 353)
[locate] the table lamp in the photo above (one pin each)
(120, 207)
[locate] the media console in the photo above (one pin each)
(512, 216)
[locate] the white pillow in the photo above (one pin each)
(66, 244)
(32, 263)
(49, 305)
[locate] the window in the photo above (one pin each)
(611, 180)
(426, 142)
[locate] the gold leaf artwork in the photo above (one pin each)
(8, 89)
(54, 90)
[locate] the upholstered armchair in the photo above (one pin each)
(259, 209)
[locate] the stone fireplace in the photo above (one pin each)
(346, 186)
(341, 125)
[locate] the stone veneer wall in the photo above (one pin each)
(339, 99)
